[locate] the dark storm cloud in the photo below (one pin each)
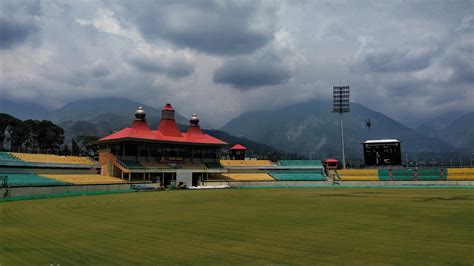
(411, 59)
(212, 27)
(398, 60)
(17, 22)
(246, 74)
(13, 33)
(173, 68)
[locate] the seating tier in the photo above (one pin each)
(358, 174)
(289, 176)
(84, 179)
(245, 163)
(51, 158)
(214, 165)
(301, 163)
(460, 173)
(148, 164)
(28, 180)
(248, 177)
(131, 164)
(6, 156)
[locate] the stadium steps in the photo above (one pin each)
(286, 176)
(131, 164)
(29, 180)
(248, 177)
(155, 165)
(51, 158)
(301, 163)
(6, 156)
(358, 175)
(214, 165)
(460, 174)
(84, 179)
(246, 163)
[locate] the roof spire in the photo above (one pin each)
(140, 114)
(194, 121)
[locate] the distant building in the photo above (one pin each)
(382, 152)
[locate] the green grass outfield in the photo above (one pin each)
(243, 226)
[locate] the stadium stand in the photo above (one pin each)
(245, 163)
(214, 165)
(358, 174)
(192, 166)
(131, 164)
(432, 174)
(6, 156)
(460, 173)
(29, 180)
(51, 158)
(301, 163)
(84, 179)
(295, 176)
(157, 165)
(397, 175)
(248, 177)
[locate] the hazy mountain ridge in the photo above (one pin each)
(93, 109)
(460, 132)
(22, 110)
(454, 128)
(311, 128)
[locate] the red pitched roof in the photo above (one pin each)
(168, 107)
(167, 132)
(238, 147)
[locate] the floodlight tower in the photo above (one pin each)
(341, 106)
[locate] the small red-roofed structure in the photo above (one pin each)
(237, 152)
(331, 164)
(238, 147)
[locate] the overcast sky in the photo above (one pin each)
(408, 59)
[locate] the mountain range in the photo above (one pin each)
(309, 128)
(454, 128)
(312, 129)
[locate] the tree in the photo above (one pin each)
(49, 136)
(66, 150)
(5, 120)
(75, 148)
(19, 135)
(31, 143)
(86, 143)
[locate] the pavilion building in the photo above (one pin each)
(163, 155)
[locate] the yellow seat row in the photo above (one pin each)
(51, 158)
(369, 172)
(85, 179)
(359, 178)
(246, 163)
(460, 173)
(249, 177)
(358, 174)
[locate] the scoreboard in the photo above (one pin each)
(382, 152)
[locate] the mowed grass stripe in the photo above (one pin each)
(415, 226)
